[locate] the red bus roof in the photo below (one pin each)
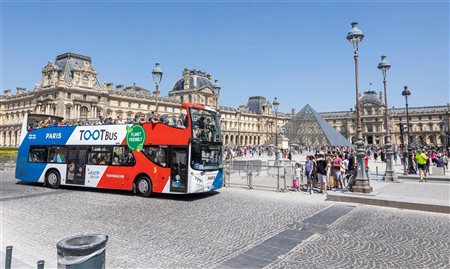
(192, 105)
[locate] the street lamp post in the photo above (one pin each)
(411, 169)
(389, 174)
(216, 88)
(404, 154)
(355, 36)
(157, 74)
(275, 106)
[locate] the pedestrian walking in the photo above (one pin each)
(366, 165)
(308, 172)
(297, 177)
(322, 173)
(329, 166)
(440, 161)
(337, 164)
(344, 169)
(421, 159)
(382, 157)
(444, 155)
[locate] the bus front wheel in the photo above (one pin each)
(52, 179)
(143, 186)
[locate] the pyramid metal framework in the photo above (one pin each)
(308, 128)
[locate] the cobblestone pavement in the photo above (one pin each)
(205, 231)
(373, 237)
(163, 231)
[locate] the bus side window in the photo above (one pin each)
(57, 155)
(38, 155)
(123, 156)
(99, 156)
(156, 154)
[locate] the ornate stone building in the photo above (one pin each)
(429, 124)
(70, 88)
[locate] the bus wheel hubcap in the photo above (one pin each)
(143, 186)
(52, 179)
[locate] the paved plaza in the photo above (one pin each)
(232, 228)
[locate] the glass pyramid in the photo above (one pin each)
(308, 128)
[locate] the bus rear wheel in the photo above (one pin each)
(143, 186)
(52, 179)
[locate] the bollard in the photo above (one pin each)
(82, 252)
(40, 264)
(8, 257)
(376, 168)
(284, 172)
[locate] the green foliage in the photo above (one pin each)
(8, 154)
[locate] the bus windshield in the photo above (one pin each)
(206, 156)
(205, 125)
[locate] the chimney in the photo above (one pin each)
(8, 92)
(20, 90)
(109, 86)
(293, 111)
(119, 87)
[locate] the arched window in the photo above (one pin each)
(84, 112)
(67, 112)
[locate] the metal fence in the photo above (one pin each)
(259, 174)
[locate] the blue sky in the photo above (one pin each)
(295, 50)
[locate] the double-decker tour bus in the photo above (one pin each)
(176, 155)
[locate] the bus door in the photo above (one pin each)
(179, 169)
(76, 165)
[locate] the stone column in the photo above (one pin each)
(75, 111)
(8, 138)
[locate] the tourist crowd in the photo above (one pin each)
(179, 121)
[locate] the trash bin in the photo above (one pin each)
(82, 251)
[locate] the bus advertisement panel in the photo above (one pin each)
(146, 157)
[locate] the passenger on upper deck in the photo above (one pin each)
(154, 117)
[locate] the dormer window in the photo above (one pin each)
(85, 81)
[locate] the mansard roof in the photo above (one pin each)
(396, 111)
(136, 89)
(255, 104)
(422, 109)
(337, 114)
(69, 62)
(370, 97)
(197, 80)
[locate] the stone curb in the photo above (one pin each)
(430, 178)
(371, 200)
